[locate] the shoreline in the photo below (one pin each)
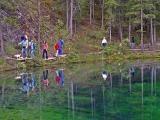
(79, 58)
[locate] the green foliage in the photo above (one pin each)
(2, 61)
(10, 48)
(59, 30)
(13, 21)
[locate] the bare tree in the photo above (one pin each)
(142, 27)
(67, 14)
(2, 42)
(90, 11)
(39, 29)
(151, 31)
(102, 6)
(71, 18)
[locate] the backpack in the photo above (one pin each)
(57, 46)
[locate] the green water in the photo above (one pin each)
(78, 92)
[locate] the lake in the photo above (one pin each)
(99, 91)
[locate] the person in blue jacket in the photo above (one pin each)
(33, 48)
(61, 75)
(61, 46)
(24, 43)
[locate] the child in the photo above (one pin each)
(33, 48)
(57, 48)
(45, 50)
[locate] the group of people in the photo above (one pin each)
(59, 78)
(59, 46)
(30, 47)
(29, 82)
(27, 47)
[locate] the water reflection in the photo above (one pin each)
(60, 77)
(28, 82)
(45, 80)
(104, 75)
(128, 93)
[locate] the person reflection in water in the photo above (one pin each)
(33, 82)
(104, 75)
(60, 77)
(25, 83)
(132, 71)
(45, 78)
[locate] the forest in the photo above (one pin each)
(82, 23)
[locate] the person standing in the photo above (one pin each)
(24, 44)
(45, 80)
(33, 48)
(57, 47)
(61, 46)
(45, 50)
(104, 42)
(27, 45)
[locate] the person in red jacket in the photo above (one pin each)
(45, 50)
(57, 46)
(45, 80)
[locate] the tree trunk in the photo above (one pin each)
(151, 31)
(110, 32)
(2, 42)
(120, 26)
(102, 26)
(93, 9)
(155, 34)
(67, 14)
(75, 27)
(71, 18)
(120, 32)
(129, 33)
(142, 47)
(90, 11)
(39, 28)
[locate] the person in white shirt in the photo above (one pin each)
(104, 42)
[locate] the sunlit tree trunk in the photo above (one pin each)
(129, 32)
(71, 18)
(151, 31)
(155, 33)
(67, 14)
(93, 8)
(90, 11)
(2, 42)
(110, 31)
(102, 6)
(142, 47)
(39, 28)
(120, 27)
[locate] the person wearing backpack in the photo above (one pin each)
(57, 47)
(61, 45)
(24, 43)
(33, 48)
